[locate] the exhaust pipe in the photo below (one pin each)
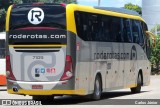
(15, 89)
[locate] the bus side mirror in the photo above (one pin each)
(152, 37)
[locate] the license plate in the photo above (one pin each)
(37, 86)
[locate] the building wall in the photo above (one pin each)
(151, 12)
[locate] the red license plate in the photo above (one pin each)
(37, 86)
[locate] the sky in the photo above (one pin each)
(109, 3)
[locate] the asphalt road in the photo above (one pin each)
(111, 99)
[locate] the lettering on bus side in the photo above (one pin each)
(104, 55)
(119, 56)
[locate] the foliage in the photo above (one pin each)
(50, 1)
(2, 12)
(133, 7)
(153, 30)
(17, 1)
(155, 57)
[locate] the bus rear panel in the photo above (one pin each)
(40, 56)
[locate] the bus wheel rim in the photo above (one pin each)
(97, 88)
(139, 80)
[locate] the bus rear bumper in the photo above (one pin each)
(43, 88)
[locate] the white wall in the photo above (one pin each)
(2, 67)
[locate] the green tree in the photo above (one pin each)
(51, 1)
(156, 28)
(16, 1)
(155, 52)
(155, 57)
(2, 12)
(133, 7)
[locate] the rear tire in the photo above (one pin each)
(43, 98)
(97, 89)
(139, 84)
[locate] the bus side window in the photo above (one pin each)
(117, 29)
(79, 25)
(100, 28)
(122, 26)
(138, 36)
(142, 34)
(89, 30)
(95, 28)
(135, 32)
(106, 32)
(112, 28)
(82, 25)
(85, 28)
(126, 30)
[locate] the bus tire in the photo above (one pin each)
(139, 84)
(43, 98)
(97, 88)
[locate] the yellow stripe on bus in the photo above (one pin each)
(48, 92)
(8, 18)
(131, 86)
(23, 46)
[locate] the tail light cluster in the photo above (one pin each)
(8, 69)
(68, 71)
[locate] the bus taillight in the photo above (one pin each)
(8, 69)
(68, 72)
(63, 5)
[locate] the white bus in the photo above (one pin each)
(2, 59)
(74, 50)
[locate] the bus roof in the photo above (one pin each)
(37, 4)
(119, 10)
(71, 8)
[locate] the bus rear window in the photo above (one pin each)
(54, 16)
